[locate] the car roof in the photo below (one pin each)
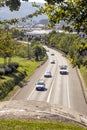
(41, 81)
(63, 66)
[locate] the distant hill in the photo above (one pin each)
(25, 9)
(43, 21)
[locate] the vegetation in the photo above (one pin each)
(83, 71)
(73, 12)
(16, 33)
(8, 69)
(39, 51)
(73, 46)
(7, 46)
(25, 69)
(14, 70)
(10, 47)
(34, 125)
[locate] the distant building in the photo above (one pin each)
(37, 32)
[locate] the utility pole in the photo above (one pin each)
(28, 50)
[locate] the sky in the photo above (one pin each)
(38, 1)
(24, 10)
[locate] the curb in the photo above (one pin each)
(84, 89)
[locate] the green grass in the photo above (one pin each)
(35, 125)
(26, 65)
(29, 66)
(83, 71)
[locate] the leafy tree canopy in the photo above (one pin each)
(12, 4)
(73, 12)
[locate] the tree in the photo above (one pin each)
(39, 52)
(7, 47)
(12, 4)
(16, 33)
(73, 12)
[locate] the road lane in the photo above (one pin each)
(64, 90)
(42, 96)
(60, 92)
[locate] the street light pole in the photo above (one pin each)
(28, 52)
(28, 49)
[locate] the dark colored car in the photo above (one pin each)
(52, 62)
(63, 69)
(52, 54)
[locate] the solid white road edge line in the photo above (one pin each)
(68, 92)
(48, 99)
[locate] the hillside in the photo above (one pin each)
(25, 9)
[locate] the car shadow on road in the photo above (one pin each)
(45, 89)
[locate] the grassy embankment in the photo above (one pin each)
(24, 65)
(83, 71)
(35, 125)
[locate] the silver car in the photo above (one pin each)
(40, 85)
(47, 74)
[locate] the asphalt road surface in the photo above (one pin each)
(63, 90)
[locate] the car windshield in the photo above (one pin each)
(40, 83)
(47, 72)
(63, 67)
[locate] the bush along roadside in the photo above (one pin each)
(9, 68)
(8, 85)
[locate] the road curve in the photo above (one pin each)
(62, 90)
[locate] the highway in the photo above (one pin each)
(63, 90)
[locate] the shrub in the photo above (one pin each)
(7, 70)
(2, 71)
(7, 86)
(13, 64)
(19, 76)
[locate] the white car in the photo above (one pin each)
(52, 62)
(47, 74)
(63, 69)
(40, 85)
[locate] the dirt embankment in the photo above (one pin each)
(32, 110)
